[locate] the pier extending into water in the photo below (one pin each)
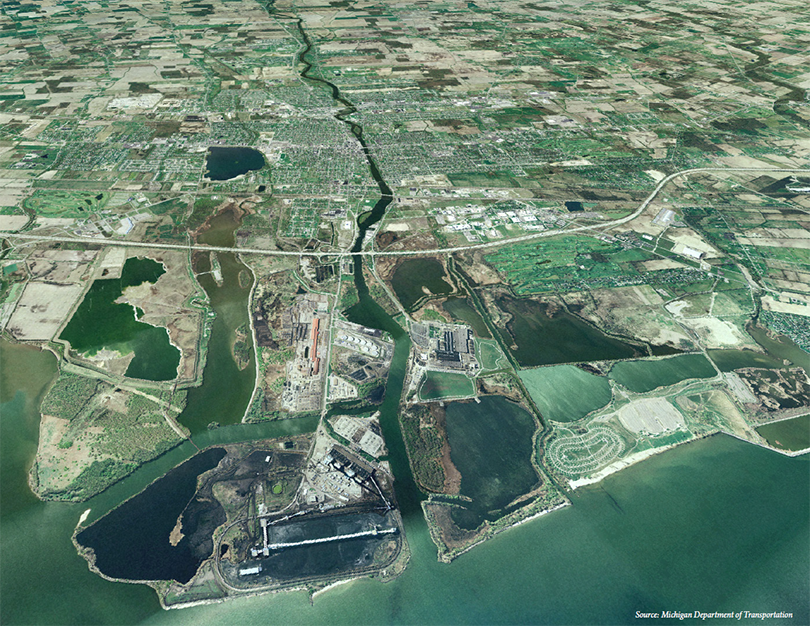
(306, 542)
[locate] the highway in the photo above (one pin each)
(397, 253)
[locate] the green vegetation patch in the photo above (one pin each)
(647, 374)
(489, 355)
(65, 204)
(424, 445)
(436, 385)
(567, 263)
(565, 393)
(101, 435)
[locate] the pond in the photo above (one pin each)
(416, 278)
(730, 360)
(463, 311)
(491, 445)
(101, 323)
(792, 434)
(645, 375)
(540, 335)
(781, 347)
(437, 385)
(228, 163)
(565, 393)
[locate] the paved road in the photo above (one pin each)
(434, 251)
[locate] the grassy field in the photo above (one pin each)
(490, 356)
(567, 263)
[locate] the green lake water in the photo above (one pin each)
(780, 347)
(99, 322)
(647, 374)
(713, 525)
(730, 360)
(543, 339)
(225, 390)
(792, 434)
(412, 275)
(462, 311)
(565, 393)
(491, 445)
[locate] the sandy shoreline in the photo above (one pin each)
(621, 464)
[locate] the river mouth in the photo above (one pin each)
(229, 163)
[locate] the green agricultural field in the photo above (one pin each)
(644, 375)
(437, 385)
(565, 393)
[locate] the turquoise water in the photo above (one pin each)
(565, 393)
(645, 375)
(713, 525)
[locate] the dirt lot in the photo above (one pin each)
(42, 309)
(59, 277)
